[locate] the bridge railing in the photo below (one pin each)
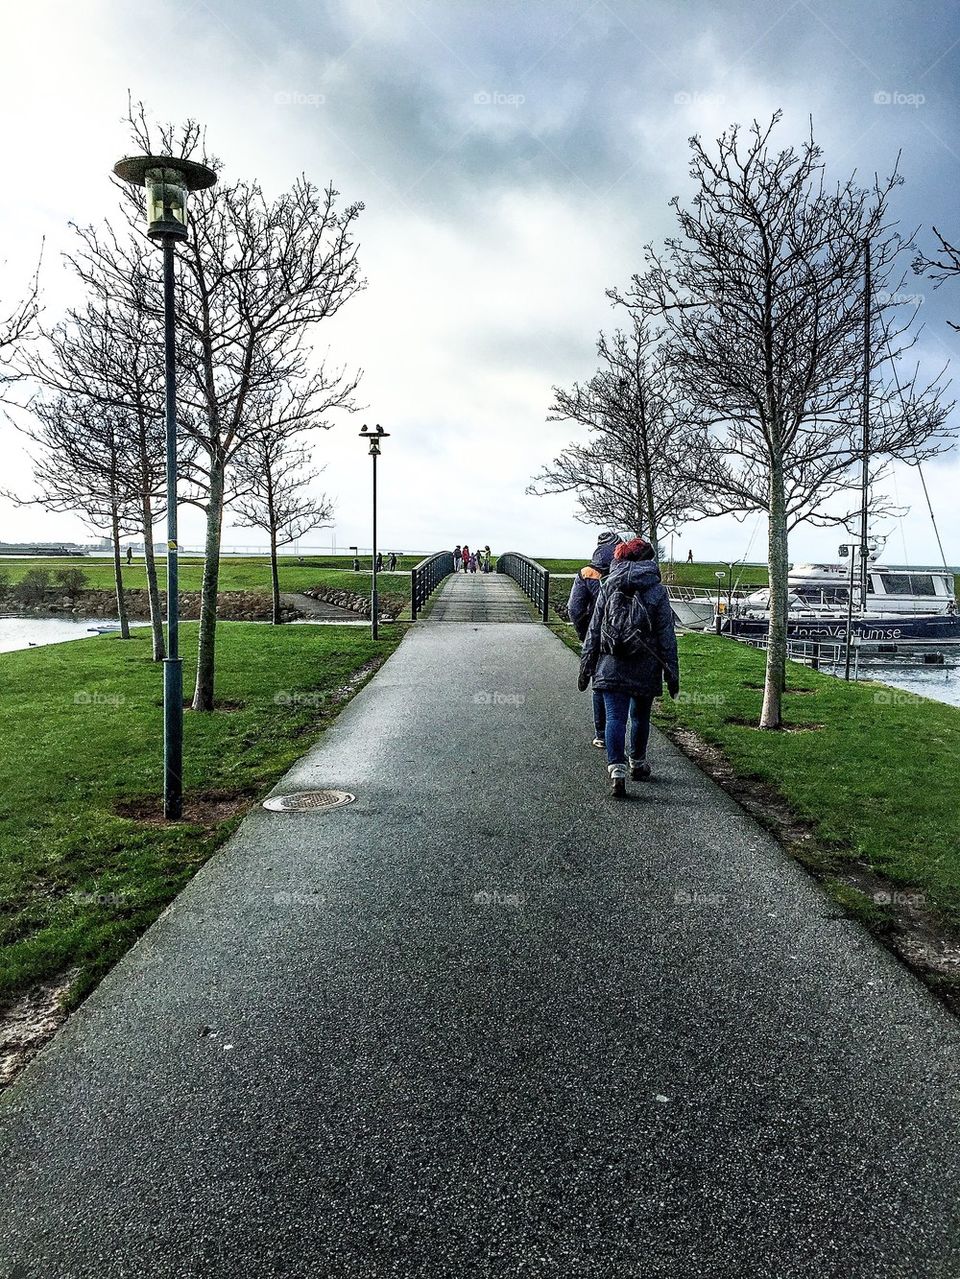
(426, 577)
(532, 578)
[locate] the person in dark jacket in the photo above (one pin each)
(630, 681)
(583, 597)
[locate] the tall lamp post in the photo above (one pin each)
(720, 576)
(167, 182)
(374, 438)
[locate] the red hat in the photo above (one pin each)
(637, 549)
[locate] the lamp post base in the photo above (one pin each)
(173, 738)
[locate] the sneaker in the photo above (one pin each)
(599, 743)
(639, 770)
(618, 784)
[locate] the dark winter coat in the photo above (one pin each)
(643, 675)
(586, 588)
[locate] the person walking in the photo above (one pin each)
(486, 559)
(456, 558)
(129, 555)
(473, 562)
(392, 562)
(583, 598)
(690, 556)
(379, 561)
(465, 555)
(630, 647)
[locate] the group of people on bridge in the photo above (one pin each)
(469, 561)
(622, 615)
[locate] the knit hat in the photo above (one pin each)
(637, 549)
(608, 539)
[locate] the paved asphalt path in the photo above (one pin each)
(487, 1022)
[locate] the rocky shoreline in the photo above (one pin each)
(232, 606)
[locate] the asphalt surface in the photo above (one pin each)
(487, 1021)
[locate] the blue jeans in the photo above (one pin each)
(599, 714)
(618, 706)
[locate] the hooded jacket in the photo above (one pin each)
(586, 588)
(642, 675)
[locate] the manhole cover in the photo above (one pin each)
(308, 801)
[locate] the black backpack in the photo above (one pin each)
(625, 628)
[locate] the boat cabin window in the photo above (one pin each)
(908, 584)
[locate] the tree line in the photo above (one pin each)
(753, 351)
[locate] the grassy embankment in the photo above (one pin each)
(79, 882)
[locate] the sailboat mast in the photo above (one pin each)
(865, 454)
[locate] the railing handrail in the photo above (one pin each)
(426, 576)
(532, 578)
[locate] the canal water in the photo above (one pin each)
(30, 632)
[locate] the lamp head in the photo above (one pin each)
(167, 181)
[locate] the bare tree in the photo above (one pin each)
(109, 353)
(635, 471)
(277, 499)
(256, 277)
(943, 265)
(762, 297)
(82, 467)
(18, 326)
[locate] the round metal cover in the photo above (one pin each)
(308, 801)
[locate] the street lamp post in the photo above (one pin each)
(374, 438)
(167, 182)
(720, 576)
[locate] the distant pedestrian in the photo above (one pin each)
(129, 555)
(583, 598)
(393, 561)
(689, 557)
(473, 563)
(456, 558)
(486, 559)
(379, 561)
(356, 565)
(465, 556)
(631, 644)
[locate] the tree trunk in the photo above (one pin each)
(122, 614)
(776, 673)
(153, 590)
(275, 577)
(206, 651)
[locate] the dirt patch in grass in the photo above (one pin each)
(205, 808)
(784, 728)
(29, 1020)
(899, 917)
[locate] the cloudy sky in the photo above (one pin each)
(513, 158)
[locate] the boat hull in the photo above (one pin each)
(930, 629)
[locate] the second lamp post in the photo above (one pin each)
(374, 438)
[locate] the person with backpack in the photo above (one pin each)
(456, 558)
(631, 646)
(583, 598)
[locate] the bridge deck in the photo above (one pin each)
(481, 597)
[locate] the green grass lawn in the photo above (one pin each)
(877, 780)
(235, 574)
(78, 882)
